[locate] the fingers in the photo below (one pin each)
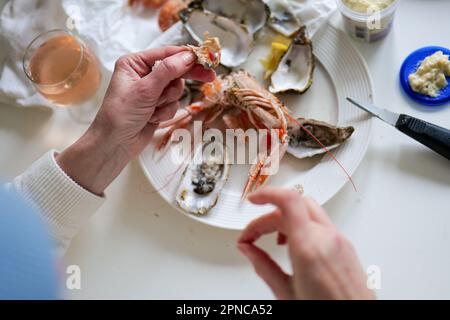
(152, 55)
(169, 69)
(268, 270)
(263, 225)
(200, 74)
(317, 213)
(142, 62)
(165, 112)
(172, 93)
(290, 202)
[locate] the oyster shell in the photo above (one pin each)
(208, 53)
(282, 19)
(302, 145)
(235, 39)
(296, 68)
(251, 13)
(203, 180)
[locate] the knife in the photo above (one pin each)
(434, 137)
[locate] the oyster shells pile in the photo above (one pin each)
(236, 23)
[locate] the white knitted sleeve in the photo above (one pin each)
(63, 204)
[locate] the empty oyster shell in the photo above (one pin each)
(203, 179)
(208, 53)
(296, 68)
(251, 13)
(235, 39)
(302, 145)
(282, 19)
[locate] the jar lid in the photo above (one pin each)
(410, 65)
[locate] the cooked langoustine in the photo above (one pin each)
(258, 108)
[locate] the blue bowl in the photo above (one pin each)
(410, 65)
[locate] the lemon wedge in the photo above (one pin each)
(279, 47)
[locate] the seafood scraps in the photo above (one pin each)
(253, 14)
(296, 68)
(147, 3)
(208, 53)
(302, 145)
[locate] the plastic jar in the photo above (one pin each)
(371, 26)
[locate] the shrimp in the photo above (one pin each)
(259, 108)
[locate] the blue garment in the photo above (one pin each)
(27, 265)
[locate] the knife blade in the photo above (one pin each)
(434, 137)
(382, 114)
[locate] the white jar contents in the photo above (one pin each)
(364, 6)
(368, 20)
(429, 79)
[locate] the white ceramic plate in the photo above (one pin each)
(340, 72)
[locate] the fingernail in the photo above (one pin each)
(188, 57)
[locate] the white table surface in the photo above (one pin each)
(136, 246)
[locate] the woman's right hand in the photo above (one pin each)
(324, 263)
(144, 90)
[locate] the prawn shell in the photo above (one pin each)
(236, 40)
(212, 46)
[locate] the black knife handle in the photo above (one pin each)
(430, 135)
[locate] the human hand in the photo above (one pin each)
(141, 94)
(324, 263)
